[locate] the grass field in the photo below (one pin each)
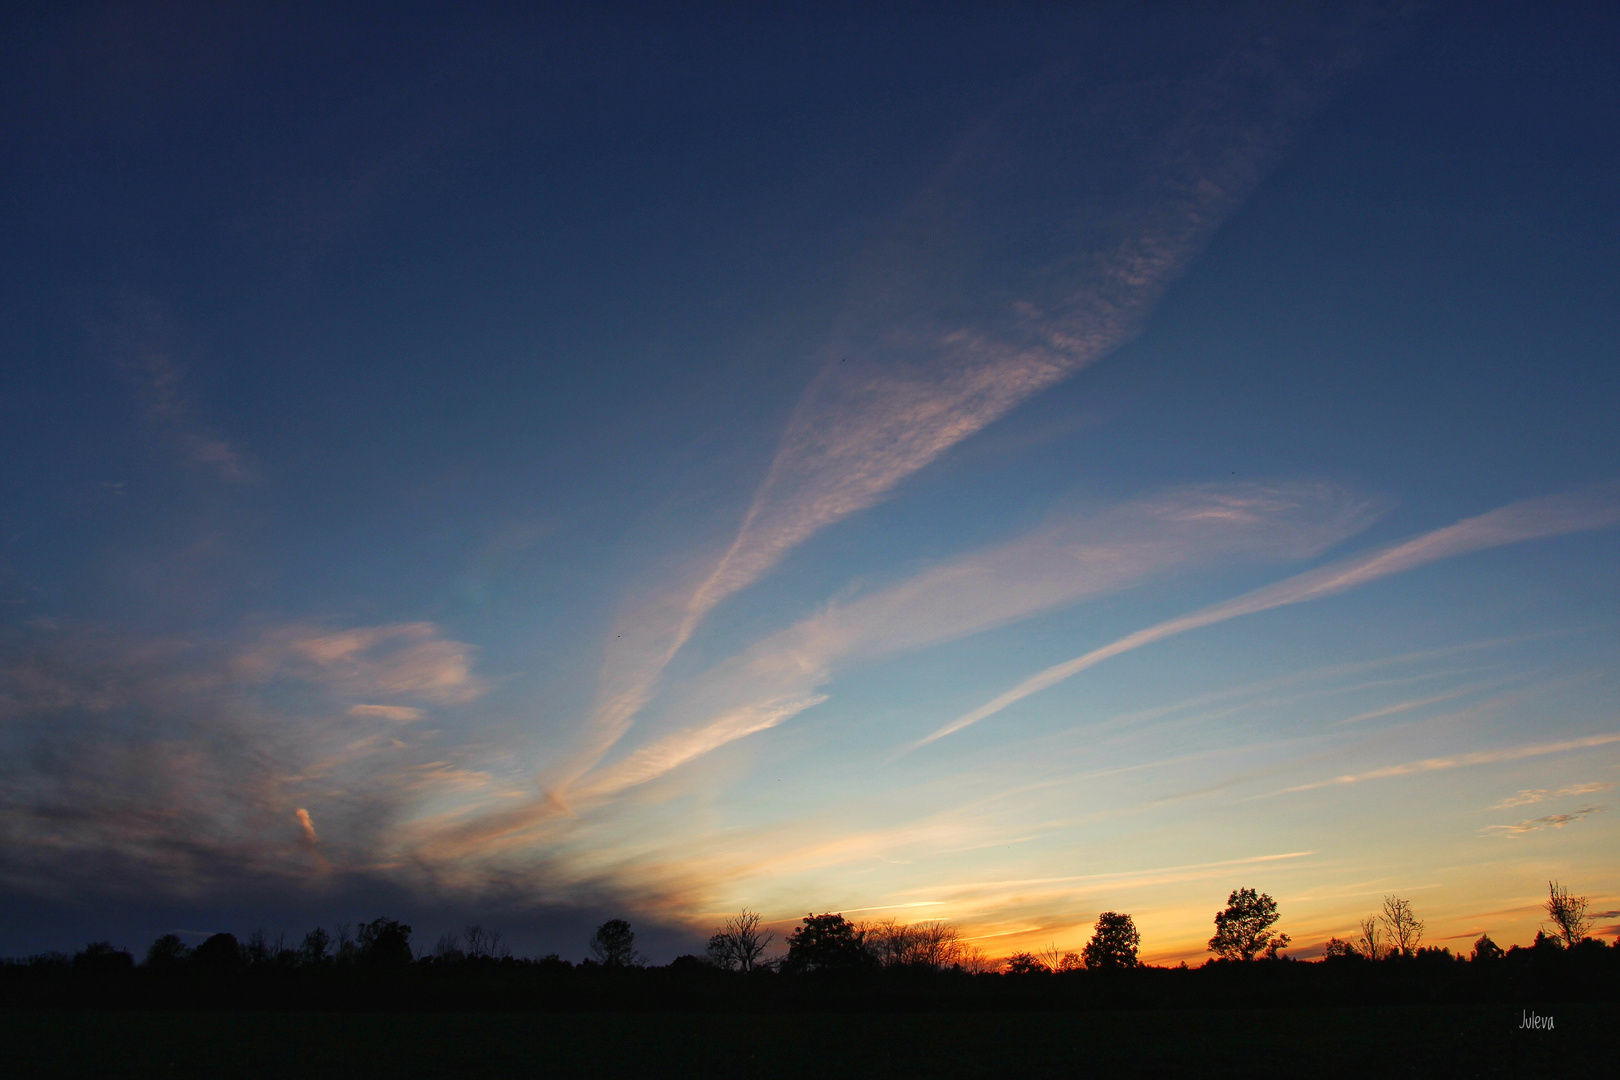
(1438, 1041)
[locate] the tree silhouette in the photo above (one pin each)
(1024, 963)
(1113, 942)
(1371, 942)
(448, 948)
(614, 944)
(485, 944)
(313, 950)
(219, 954)
(1568, 914)
(1242, 930)
(1404, 928)
(1486, 950)
(383, 943)
(741, 943)
(931, 945)
(1334, 949)
(103, 958)
(166, 953)
(826, 943)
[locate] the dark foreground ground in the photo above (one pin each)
(1453, 1040)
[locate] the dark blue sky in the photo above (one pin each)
(427, 418)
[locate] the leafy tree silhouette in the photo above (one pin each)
(1486, 950)
(1113, 943)
(1334, 949)
(103, 958)
(219, 955)
(384, 943)
(826, 943)
(1242, 930)
(1025, 964)
(316, 943)
(614, 945)
(166, 953)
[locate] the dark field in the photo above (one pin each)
(1406, 1041)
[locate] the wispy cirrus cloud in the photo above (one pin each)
(143, 347)
(1458, 761)
(410, 660)
(1062, 562)
(1550, 821)
(944, 339)
(1597, 507)
(1529, 796)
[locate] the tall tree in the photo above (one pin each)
(1243, 930)
(614, 944)
(1405, 929)
(1113, 943)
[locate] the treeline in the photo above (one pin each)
(827, 961)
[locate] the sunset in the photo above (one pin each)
(979, 467)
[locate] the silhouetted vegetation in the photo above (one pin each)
(1242, 930)
(1113, 944)
(829, 962)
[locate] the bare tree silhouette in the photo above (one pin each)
(1405, 929)
(1371, 942)
(1568, 915)
(740, 944)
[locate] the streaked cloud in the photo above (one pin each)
(410, 660)
(398, 713)
(1550, 821)
(1478, 757)
(1597, 507)
(143, 346)
(1529, 796)
(914, 366)
(1067, 560)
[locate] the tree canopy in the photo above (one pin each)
(1243, 930)
(826, 943)
(1113, 942)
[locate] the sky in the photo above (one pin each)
(534, 464)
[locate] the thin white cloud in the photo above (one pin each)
(1060, 563)
(1412, 704)
(914, 366)
(1528, 796)
(1478, 757)
(1597, 507)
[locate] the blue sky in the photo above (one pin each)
(999, 466)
